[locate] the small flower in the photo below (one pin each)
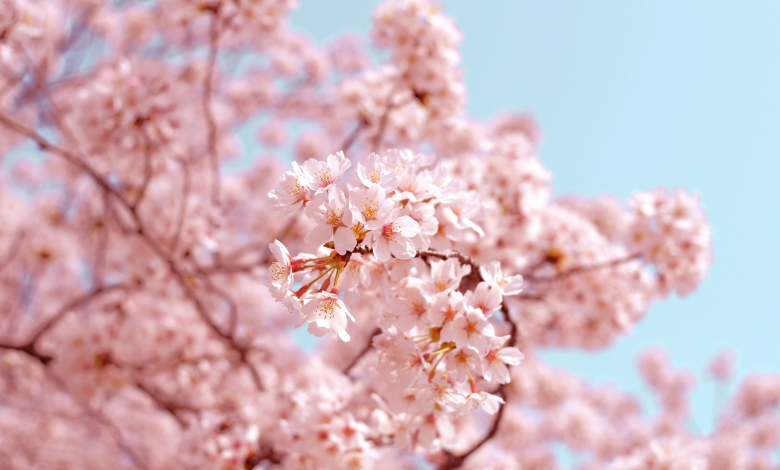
(458, 215)
(462, 361)
(375, 173)
(488, 402)
(423, 214)
(496, 359)
(411, 308)
(394, 236)
(510, 285)
(469, 328)
(333, 221)
(294, 194)
(485, 298)
(445, 276)
(370, 206)
(438, 392)
(280, 275)
(326, 313)
(322, 176)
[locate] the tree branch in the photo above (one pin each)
(211, 126)
(178, 275)
(583, 269)
(368, 347)
(352, 137)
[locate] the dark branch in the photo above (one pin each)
(369, 345)
(583, 269)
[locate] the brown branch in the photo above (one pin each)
(13, 250)
(72, 305)
(368, 347)
(166, 405)
(365, 250)
(454, 461)
(102, 245)
(185, 194)
(380, 133)
(179, 276)
(85, 408)
(29, 350)
(352, 137)
(233, 324)
(70, 157)
(147, 174)
(583, 269)
(29, 347)
(211, 126)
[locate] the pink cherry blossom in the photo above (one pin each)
(370, 206)
(326, 313)
(469, 328)
(322, 176)
(294, 194)
(506, 285)
(374, 173)
(462, 361)
(394, 237)
(280, 277)
(144, 324)
(496, 358)
(334, 221)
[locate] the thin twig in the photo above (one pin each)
(70, 306)
(185, 195)
(178, 275)
(352, 137)
(369, 345)
(583, 269)
(455, 461)
(211, 126)
(380, 133)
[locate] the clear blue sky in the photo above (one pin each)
(636, 95)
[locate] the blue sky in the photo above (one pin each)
(636, 95)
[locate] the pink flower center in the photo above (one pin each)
(389, 232)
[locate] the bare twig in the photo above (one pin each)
(178, 275)
(380, 133)
(211, 126)
(13, 250)
(583, 269)
(185, 194)
(455, 461)
(352, 137)
(92, 413)
(369, 345)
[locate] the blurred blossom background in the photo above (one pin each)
(628, 96)
(633, 95)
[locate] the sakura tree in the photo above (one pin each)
(149, 295)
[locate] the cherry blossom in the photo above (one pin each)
(322, 176)
(335, 222)
(155, 262)
(326, 313)
(394, 237)
(496, 359)
(279, 272)
(493, 276)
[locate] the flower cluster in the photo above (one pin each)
(439, 351)
(423, 43)
(393, 206)
(670, 231)
(135, 328)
